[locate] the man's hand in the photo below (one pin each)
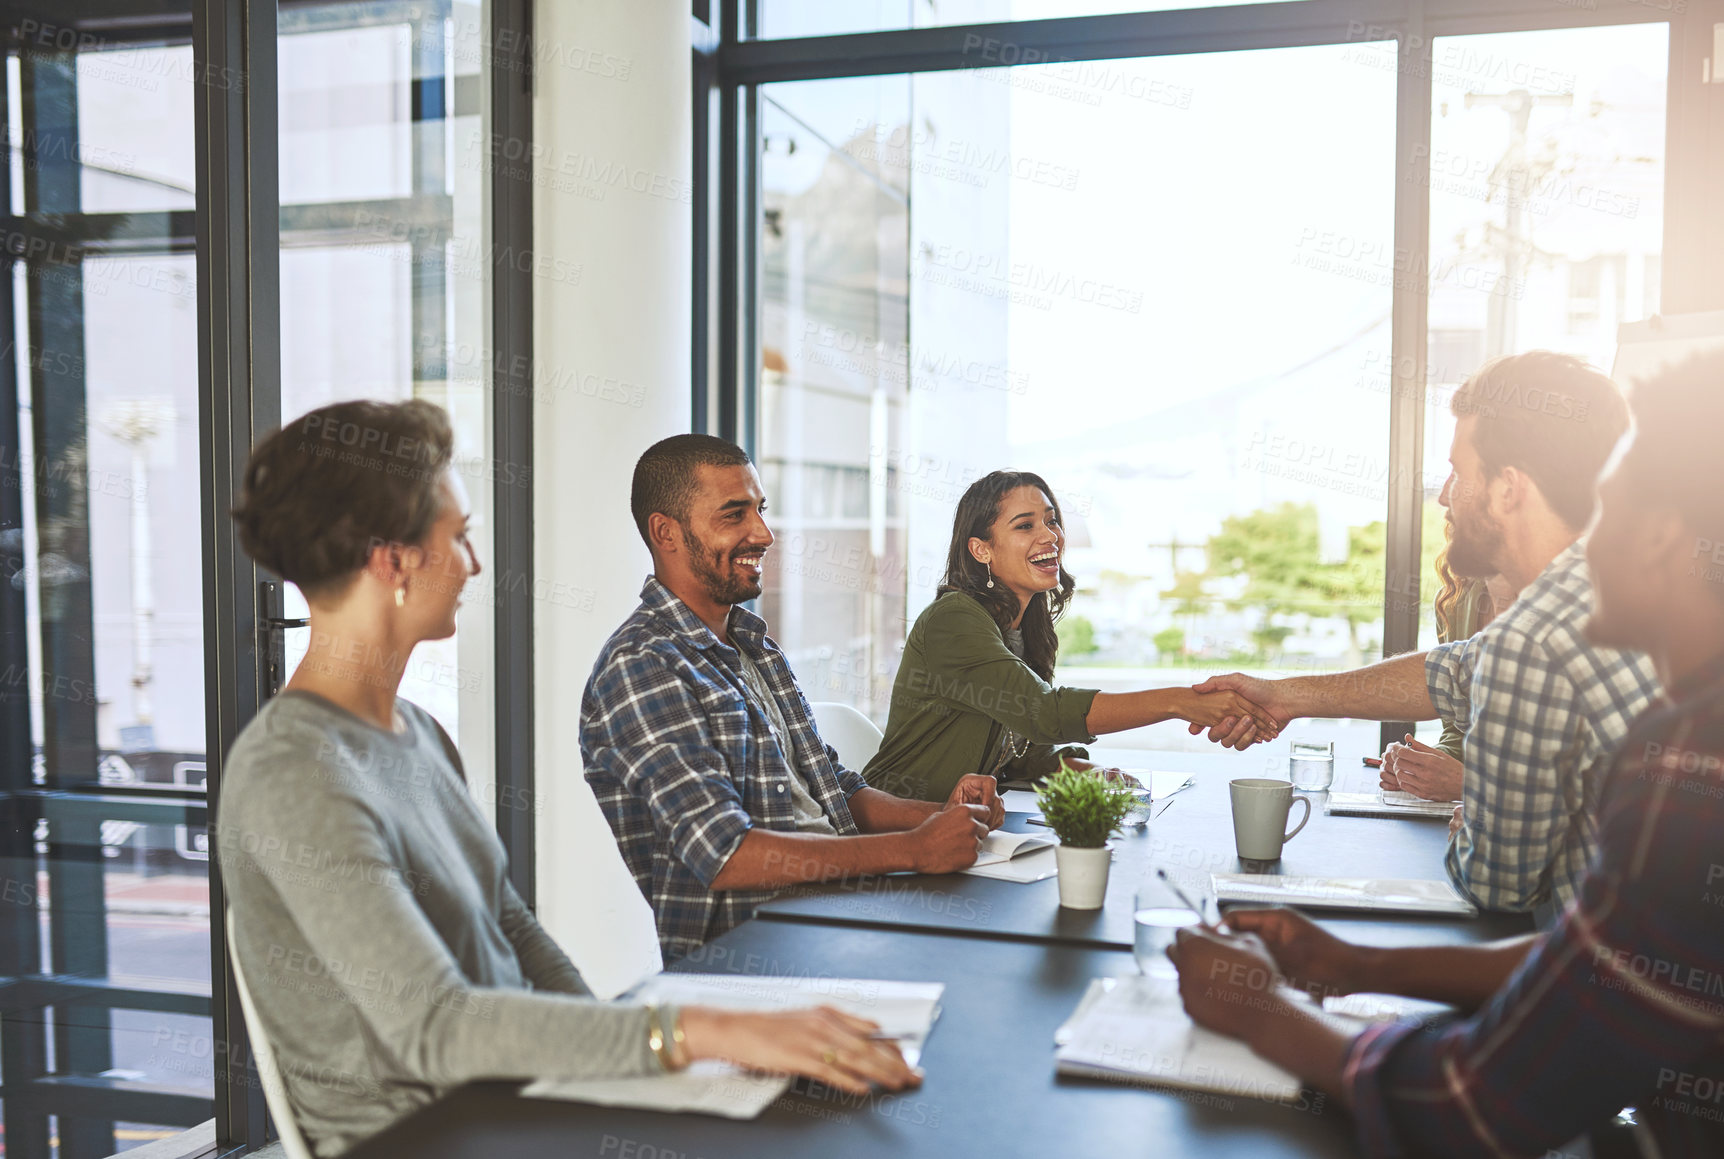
(1313, 959)
(1456, 821)
(1415, 767)
(1268, 696)
(1113, 775)
(1228, 983)
(1227, 712)
(979, 789)
(949, 840)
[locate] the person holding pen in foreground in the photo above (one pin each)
(1622, 1003)
(390, 957)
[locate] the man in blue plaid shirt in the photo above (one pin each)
(698, 742)
(1622, 1003)
(1543, 707)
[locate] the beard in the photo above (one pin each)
(714, 571)
(1477, 544)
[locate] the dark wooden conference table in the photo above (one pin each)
(1014, 965)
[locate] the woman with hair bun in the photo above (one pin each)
(389, 956)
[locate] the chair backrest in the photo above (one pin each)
(263, 1054)
(852, 734)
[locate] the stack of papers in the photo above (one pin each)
(1388, 803)
(1021, 857)
(1385, 895)
(1136, 1028)
(905, 1011)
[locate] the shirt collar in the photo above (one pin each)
(745, 626)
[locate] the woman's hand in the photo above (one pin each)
(1313, 959)
(1220, 710)
(1117, 776)
(1415, 767)
(822, 1043)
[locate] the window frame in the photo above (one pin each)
(235, 232)
(742, 63)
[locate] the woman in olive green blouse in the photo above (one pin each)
(972, 694)
(1463, 606)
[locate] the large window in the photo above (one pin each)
(114, 985)
(982, 269)
(1546, 178)
(1190, 290)
(382, 282)
(105, 1039)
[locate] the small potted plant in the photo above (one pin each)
(1083, 809)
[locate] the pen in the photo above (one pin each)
(1180, 894)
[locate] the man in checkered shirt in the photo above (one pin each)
(1543, 708)
(1621, 1003)
(699, 744)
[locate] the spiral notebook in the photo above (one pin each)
(1371, 895)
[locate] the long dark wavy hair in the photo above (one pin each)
(977, 512)
(1452, 588)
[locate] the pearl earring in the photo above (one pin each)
(990, 572)
(401, 596)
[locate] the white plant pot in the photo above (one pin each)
(1083, 875)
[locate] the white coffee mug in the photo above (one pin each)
(1260, 809)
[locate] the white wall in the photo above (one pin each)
(612, 224)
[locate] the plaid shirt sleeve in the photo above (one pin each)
(1622, 1003)
(652, 734)
(1518, 811)
(1449, 679)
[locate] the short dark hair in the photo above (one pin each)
(321, 492)
(1554, 417)
(1673, 461)
(664, 478)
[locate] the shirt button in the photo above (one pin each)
(781, 788)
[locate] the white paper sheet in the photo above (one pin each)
(905, 1011)
(1393, 895)
(706, 1088)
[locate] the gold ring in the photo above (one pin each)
(828, 1057)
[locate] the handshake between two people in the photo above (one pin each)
(1238, 710)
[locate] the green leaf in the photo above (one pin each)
(1082, 807)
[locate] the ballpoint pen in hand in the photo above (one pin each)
(1181, 895)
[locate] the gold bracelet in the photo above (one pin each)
(679, 1043)
(655, 1038)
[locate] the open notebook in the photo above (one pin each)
(1022, 857)
(905, 1011)
(1134, 1029)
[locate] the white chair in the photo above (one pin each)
(849, 732)
(293, 1144)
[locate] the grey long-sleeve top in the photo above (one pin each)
(388, 956)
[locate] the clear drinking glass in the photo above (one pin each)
(1159, 913)
(1311, 765)
(1137, 817)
